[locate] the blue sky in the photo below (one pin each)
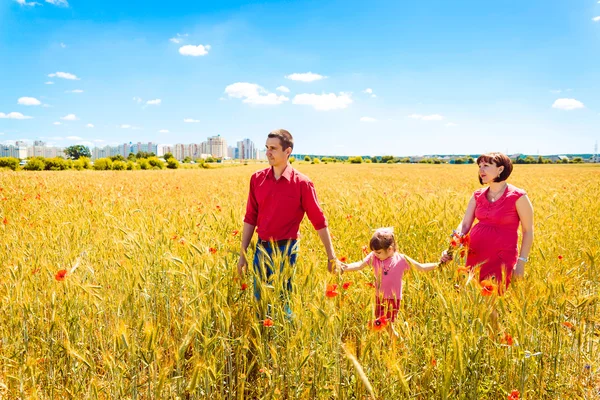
(345, 77)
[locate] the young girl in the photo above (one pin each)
(389, 267)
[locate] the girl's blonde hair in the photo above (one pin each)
(383, 238)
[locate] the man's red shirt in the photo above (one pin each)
(276, 207)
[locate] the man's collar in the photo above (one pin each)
(287, 173)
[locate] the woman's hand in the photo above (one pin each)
(519, 269)
(445, 257)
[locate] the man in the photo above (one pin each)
(278, 199)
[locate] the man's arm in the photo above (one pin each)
(247, 234)
(325, 237)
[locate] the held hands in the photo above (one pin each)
(519, 269)
(445, 257)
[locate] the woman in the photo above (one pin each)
(499, 209)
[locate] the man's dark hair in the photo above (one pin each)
(285, 138)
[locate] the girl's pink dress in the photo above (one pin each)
(388, 283)
(494, 238)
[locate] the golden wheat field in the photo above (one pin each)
(121, 285)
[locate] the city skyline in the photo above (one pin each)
(345, 78)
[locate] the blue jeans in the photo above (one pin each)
(265, 258)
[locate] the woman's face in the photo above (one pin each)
(489, 171)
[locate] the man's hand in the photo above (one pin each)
(333, 265)
(242, 266)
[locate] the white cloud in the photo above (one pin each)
(253, 94)
(191, 120)
(283, 89)
(596, 19)
(29, 101)
(1, 133)
(368, 91)
(25, 3)
(451, 124)
(305, 77)
(137, 99)
(557, 91)
(63, 45)
(99, 140)
(86, 143)
(14, 115)
(431, 117)
(125, 126)
(74, 138)
(154, 102)
(567, 104)
(49, 83)
(325, 101)
(64, 75)
(194, 51)
(163, 131)
(367, 119)
(60, 3)
(179, 37)
(74, 91)
(70, 117)
(89, 126)
(56, 123)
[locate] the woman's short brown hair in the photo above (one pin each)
(382, 239)
(285, 138)
(499, 160)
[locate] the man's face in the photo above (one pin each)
(275, 153)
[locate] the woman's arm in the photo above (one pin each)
(420, 266)
(525, 211)
(465, 225)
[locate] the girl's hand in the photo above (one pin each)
(343, 267)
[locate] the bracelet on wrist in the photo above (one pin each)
(524, 259)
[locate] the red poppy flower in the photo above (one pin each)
(560, 257)
(35, 271)
(37, 197)
(268, 322)
(331, 290)
(212, 250)
(175, 237)
(370, 284)
(488, 287)
(433, 361)
(60, 275)
(365, 249)
(244, 286)
(454, 243)
(379, 324)
(343, 259)
(508, 339)
(346, 285)
(569, 325)
(348, 216)
(235, 233)
(5, 221)
(514, 395)
(464, 240)
(218, 208)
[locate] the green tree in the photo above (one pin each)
(103, 164)
(76, 151)
(144, 154)
(166, 156)
(118, 157)
(119, 165)
(57, 164)
(307, 158)
(9, 162)
(82, 163)
(292, 159)
(172, 163)
(35, 164)
(355, 160)
(131, 157)
(187, 159)
(155, 163)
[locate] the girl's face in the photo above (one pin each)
(384, 254)
(489, 171)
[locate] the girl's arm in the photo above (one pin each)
(357, 266)
(420, 266)
(525, 211)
